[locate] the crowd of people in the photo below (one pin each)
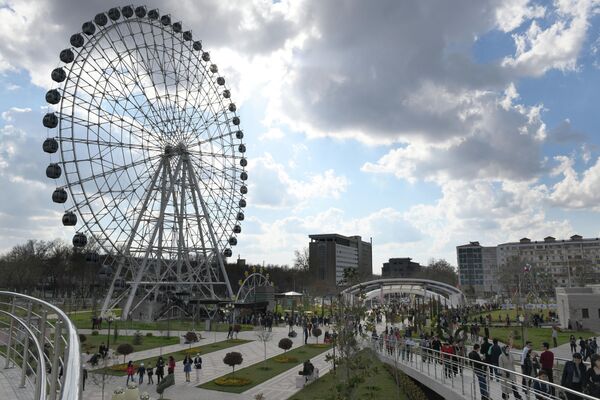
(137, 373)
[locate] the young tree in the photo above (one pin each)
(264, 336)
(316, 332)
(124, 349)
(285, 344)
(232, 359)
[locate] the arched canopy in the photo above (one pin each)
(420, 287)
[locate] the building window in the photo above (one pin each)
(585, 313)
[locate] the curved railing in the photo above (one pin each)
(56, 358)
(466, 377)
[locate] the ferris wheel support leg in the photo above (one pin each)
(142, 270)
(210, 232)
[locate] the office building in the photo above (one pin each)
(579, 306)
(400, 268)
(477, 268)
(331, 254)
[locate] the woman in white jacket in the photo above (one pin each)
(507, 362)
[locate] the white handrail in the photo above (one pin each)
(68, 354)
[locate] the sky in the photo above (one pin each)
(421, 125)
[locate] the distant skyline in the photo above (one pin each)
(423, 125)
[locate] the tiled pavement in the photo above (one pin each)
(9, 384)
(279, 387)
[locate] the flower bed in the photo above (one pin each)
(232, 381)
(285, 359)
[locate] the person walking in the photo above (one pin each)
(573, 376)
(547, 363)
(306, 333)
(130, 372)
(524, 352)
(592, 377)
(573, 344)
(160, 369)
(495, 351)
(506, 362)
(187, 367)
(527, 368)
(141, 372)
(150, 373)
(198, 366)
(479, 368)
(554, 337)
(171, 366)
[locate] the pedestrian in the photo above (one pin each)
(592, 377)
(507, 363)
(160, 369)
(554, 337)
(573, 344)
(85, 375)
(495, 351)
(130, 372)
(573, 376)
(524, 352)
(547, 363)
(171, 366)
(230, 332)
(541, 388)
(187, 366)
(479, 368)
(141, 372)
(306, 334)
(198, 366)
(527, 368)
(150, 373)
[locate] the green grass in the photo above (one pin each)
(261, 372)
(536, 335)
(325, 386)
(92, 342)
(83, 320)
(512, 314)
(177, 355)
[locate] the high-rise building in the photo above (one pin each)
(331, 254)
(400, 268)
(570, 262)
(477, 267)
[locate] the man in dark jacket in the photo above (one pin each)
(574, 375)
(495, 351)
(479, 369)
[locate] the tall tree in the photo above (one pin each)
(301, 258)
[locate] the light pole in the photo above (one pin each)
(110, 321)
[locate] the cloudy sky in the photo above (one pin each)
(422, 124)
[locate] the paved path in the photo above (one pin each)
(9, 384)
(279, 387)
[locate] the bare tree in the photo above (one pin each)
(264, 336)
(301, 258)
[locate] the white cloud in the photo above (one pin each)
(555, 47)
(272, 186)
(576, 190)
(511, 14)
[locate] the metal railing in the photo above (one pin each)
(469, 379)
(53, 364)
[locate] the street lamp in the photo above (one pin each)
(110, 320)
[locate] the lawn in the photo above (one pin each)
(512, 314)
(261, 372)
(119, 369)
(83, 320)
(324, 388)
(92, 342)
(536, 335)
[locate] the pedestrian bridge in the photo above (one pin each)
(455, 378)
(426, 288)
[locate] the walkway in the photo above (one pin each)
(277, 388)
(9, 383)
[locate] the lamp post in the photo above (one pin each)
(110, 321)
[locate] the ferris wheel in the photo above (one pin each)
(148, 154)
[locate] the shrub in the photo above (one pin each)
(137, 338)
(124, 349)
(285, 344)
(232, 359)
(190, 337)
(169, 380)
(82, 338)
(95, 333)
(149, 334)
(316, 333)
